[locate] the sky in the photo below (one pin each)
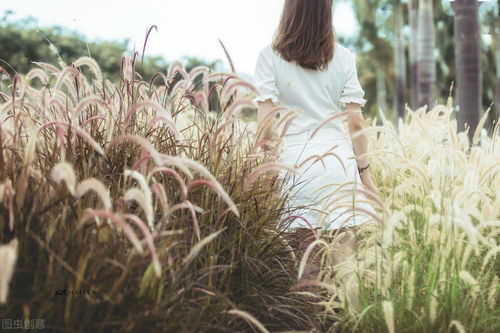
(185, 27)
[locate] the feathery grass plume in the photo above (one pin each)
(493, 291)
(306, 255)
(471, 281)
(321, 157)
(149, 240)
(389, 315)
(37, 73)
(270, 166)
(86, 136)
(231, 64)
(492, 253)
(265, 126)
(148, 31)
(88, 120)
(433, 307)
(48, 67)
(8, 258)
(92, 65)
(213, 182)
(137, 195)
(63, 171)
(175, 174)
(118, 220)
(162, 196)
(292, 217)
(458, 325)
(4, 188)
(218, 133)
(127, 69)
(143, 196)
(143, 142)
(249, 318)
(86, 102)
(201, 102)
(29, 155)
(63, 80)
(229, 89)
(199, 246)
(196, 223)
(184, 205)
(193, 209)
(164, 115)
(326, 121)
(93, 184)
(480, 125)
(197, 71)
(217, 189)
(7, 193)
(285, 120)
(235, 109)
(18, 82)
(174, 68)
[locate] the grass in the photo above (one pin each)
(165, 215)
(431, 265)
(134, 194)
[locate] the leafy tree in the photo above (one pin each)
(378, 39)
(22, 43)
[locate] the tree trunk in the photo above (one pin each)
(468, 63)
(413, 18)
(426, 64)
(381, 90)
(497, 62)
(400, 64)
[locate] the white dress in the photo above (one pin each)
(317, 95)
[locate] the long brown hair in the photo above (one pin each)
(305, 33)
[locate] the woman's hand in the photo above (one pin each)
(367, 180)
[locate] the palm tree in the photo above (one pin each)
(381, 90)
(413, 18)
(497, 62)
(426, 63)
(468, 63)
(400, 64)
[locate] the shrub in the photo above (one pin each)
(140, 198)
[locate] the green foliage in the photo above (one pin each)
(376, 41)
(22, 42)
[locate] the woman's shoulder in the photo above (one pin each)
(268, 51)
(342, 51)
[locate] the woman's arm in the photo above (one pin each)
(264, 108)
(355, 122)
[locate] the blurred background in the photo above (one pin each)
(389, 37)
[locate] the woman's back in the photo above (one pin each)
(314, 94)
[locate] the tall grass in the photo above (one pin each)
(174, 217)
(432, 264)
(137, 195)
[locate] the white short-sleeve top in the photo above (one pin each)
(315, 94)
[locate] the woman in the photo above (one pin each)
(306, 70)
